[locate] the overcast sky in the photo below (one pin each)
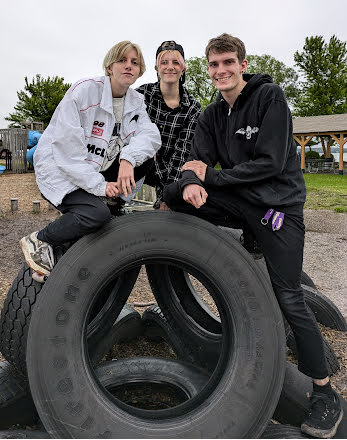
(69, 38)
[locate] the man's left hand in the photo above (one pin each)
(198, 167)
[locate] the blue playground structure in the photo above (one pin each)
(34, 137)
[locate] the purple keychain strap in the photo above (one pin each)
(277, 220)
(267, 216)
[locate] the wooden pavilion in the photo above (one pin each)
(335, 126)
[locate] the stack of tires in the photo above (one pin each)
(229, 365)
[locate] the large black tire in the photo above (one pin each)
(243, 391)
(294, 402)
(184, 311)
(307, 280)
(174, 282)
(155, 327)
(23, 433)
(326, 312)
(21, 301)
(332, 361)
(127, 326)
(188, 379)
(16, 403)
(283, 431)
(178, 300)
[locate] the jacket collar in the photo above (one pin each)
(133, 100)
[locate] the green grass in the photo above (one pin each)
(326, 191)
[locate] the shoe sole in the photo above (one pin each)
(31, 263)
(39, 278)
(319, 433)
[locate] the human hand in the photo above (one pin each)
(194, 194)
(125, 180)
(163, 207)
(198, 167)
(111, 189)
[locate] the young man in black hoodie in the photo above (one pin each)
(248, 131)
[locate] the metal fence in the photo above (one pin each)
(14, 144)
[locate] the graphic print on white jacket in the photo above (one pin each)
(71, 150)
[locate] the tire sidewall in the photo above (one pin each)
(68, 398)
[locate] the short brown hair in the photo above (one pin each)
(226, 43)
(117, 52)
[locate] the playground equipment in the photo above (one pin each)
(34, 137)
(14, 144)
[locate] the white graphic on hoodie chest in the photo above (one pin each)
(248, 131)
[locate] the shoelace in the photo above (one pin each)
(47, 255)
(319, 404)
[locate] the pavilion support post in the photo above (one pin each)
(301, 139)
(341, 140)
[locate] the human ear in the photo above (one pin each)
(244, 65)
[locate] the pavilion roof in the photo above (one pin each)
(320, 124)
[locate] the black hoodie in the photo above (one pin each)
(253, 142)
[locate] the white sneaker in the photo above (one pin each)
(39, 278)
(38, 254)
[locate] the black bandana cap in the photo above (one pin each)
(169, 45)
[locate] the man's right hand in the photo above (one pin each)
(112, 189)
(195, 195)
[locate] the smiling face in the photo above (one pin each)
(169, 67)
(124, 72)
(226, 70)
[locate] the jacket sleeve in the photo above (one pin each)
(70, 150)
(271, 149)
(203, 148)
(182, 146)
(145, 142)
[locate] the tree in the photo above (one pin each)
(38, 100)
(284, 76)
(198, 82)
(324, 67)
(200, 85)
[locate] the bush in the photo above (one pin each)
(328, 159)
(312, 155)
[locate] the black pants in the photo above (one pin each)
(283, 252)
(83, 212)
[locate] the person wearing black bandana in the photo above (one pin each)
(175, 112)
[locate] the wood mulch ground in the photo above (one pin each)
(324, 261)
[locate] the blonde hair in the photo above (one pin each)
(179, 58)
(116, 53)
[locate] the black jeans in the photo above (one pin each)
(83, 212)
(283, 252)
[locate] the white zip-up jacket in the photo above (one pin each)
(71, 150)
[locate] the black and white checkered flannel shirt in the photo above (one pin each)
(176, 127)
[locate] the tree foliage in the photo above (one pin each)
(285, 77)
(198, 82)
(38, 100)
(324, 67)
